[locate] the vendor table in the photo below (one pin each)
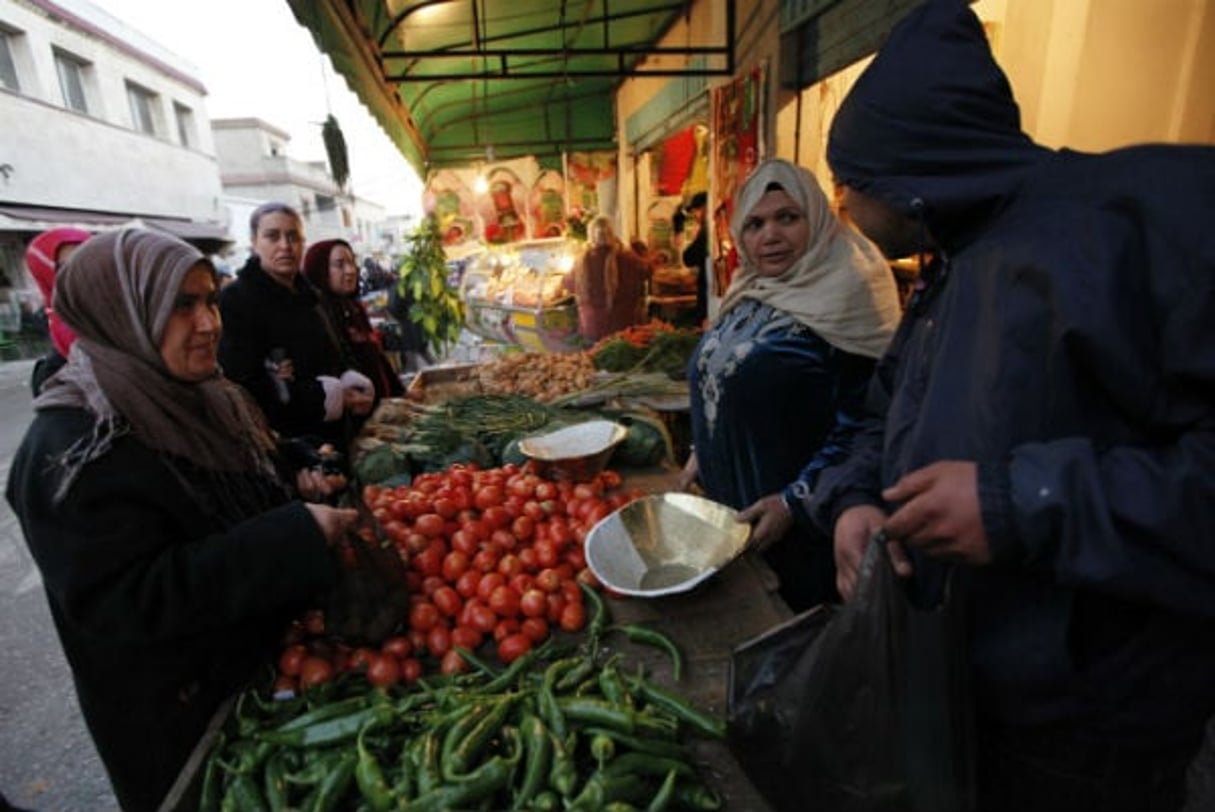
(733, 606)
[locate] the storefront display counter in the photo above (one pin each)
(516, 294)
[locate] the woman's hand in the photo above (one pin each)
(769, 518)
(333, 522)
(314, 485)
(687, 477)
(357, 401)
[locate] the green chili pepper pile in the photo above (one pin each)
(569, 730)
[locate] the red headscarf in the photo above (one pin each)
(40, 258)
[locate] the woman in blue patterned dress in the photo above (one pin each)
(811, 307)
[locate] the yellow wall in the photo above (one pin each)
(1088, 74)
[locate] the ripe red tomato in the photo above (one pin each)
(495, 516)
(361, 657)
(466, 584)
(314, 671)
(446, 507)
(487, 496)
(447, 601)
(411, 669)
(430, 524)
(481, 617)
(545, 490)
(455, 564)
(489, 582)
(428, 562)
(513, 646)
(398, 646)
(523, 528)
(503, 539)
(534, 603)
(438, 640)
(464, 542)
(535, 627)
(453, 663)
(504, 601)
(384, 670)
(509, 565)
(505, 628)
(423, 615)
(548, 580)
(573, 617)
(546, 553)
(529, 560)
(467, 637)
(291, 658)
(486, 559)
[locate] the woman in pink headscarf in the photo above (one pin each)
(45, 254)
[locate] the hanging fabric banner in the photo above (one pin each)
(738, 113)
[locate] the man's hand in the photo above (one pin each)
(853, 530)
(769, 518)
(940, 512)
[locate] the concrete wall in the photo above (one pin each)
(88, 160)
(1088, 74)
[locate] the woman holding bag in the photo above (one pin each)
(172, 555)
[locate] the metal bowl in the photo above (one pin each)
(575, 452)
(664, 544)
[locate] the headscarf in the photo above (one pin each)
(117, 292)
(841, 287)
(345, 311)
(40, 258)
(609, 248)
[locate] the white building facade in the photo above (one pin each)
(101, 128)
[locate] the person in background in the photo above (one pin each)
(413, 347)
(696, 253)
(172, 555)
(790, 351)
(278, 343)
(609, 284)
(1044, 422)
(330, 266)
(45, 254)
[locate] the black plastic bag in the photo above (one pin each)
(859, 708)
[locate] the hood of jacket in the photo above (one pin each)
(931, 126)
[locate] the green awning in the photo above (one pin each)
(458, 81)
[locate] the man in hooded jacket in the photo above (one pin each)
(1044, 420)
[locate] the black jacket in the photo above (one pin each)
(1066, 344)
(163, 608)
(265, 321)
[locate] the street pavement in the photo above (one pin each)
(47, 760)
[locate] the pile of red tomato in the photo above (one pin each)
(494, 554)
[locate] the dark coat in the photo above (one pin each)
(764, 392)
(265, 321)
(163, 608)
(1065, 344)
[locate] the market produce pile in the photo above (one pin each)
(569, 725)
(489, 555)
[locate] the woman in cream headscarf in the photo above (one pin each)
(810, 309)
(171, 555)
